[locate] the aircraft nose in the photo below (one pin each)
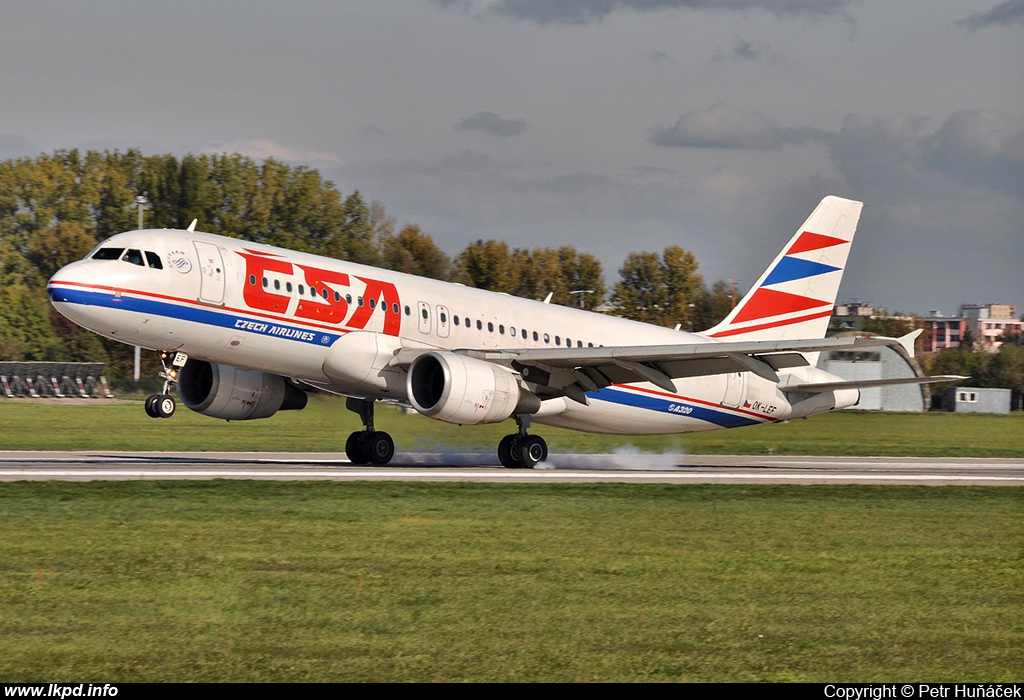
(71, 291)
(71, 284)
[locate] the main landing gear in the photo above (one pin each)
(367, 446)
(522, 451)
(162, 405)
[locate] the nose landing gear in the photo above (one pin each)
(162, 405)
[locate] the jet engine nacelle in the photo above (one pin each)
(459, 389)
(223, 391)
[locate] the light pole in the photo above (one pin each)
(583, 293)
(142, 204)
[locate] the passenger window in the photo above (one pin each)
(266, 282)
(373, 303)
(423, 313)
(302, 289)
(337, 296)
(547, 338)
(108, 254)
(558, 340)
(359, 300)
(134, 257)
(394, 308)
(408, 311)
(444, 317)
(312, 292)
(535, 336)
(277, 284)
(324, 293)
(252, 280)
(455, 320)
(154, 261)
(490, 327)
(501, 328)
(288, 286)
(479, 325)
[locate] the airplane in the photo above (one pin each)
(245, 330)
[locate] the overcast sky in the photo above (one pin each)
(611, 125)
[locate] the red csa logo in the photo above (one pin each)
(329, 305)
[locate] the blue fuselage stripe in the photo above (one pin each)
(183, 312)
(680, 407)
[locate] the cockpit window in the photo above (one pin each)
(154, 260)
(134, 257)
(107, 254)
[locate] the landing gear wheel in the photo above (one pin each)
(532, 449)
(165, 405)
(508, 454)
(151, 402)
(378, 447)
(354, 449)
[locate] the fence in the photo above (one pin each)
(56, 379)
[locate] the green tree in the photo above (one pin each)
(489, 265)
(414, 252)
(581, 272)
(25, 331)
(713, 305)
(660, 290)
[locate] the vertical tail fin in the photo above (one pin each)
(794, 297)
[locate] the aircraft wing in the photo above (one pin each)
(574, 371)
(867, 383)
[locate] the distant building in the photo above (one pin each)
(852, 315)
(970, 399)
(946, 331)
(884, 363)
(985, 322)
(857, 308)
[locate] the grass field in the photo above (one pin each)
(248, 581)
(324, 425)
(265, 581)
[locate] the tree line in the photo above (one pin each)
(56, 207)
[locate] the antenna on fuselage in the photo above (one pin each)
(547, 299)
(192, 227)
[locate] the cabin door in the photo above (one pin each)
(211, 265)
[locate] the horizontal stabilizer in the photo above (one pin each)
(866, 384)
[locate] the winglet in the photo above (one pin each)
(192, 227)
(907, 341)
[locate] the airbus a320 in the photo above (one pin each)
(245, 330)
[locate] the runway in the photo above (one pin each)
(625, 467)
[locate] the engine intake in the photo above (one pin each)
(459, 389)
(223, 391)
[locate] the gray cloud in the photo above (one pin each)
(1009, 12)
(745, 49)
(902, 157)
(724, 126)
(12, 146)
(917, 219)
(980, 148)
(491, 123)
(588, 11)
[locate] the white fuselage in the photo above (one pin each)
(336, 325)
